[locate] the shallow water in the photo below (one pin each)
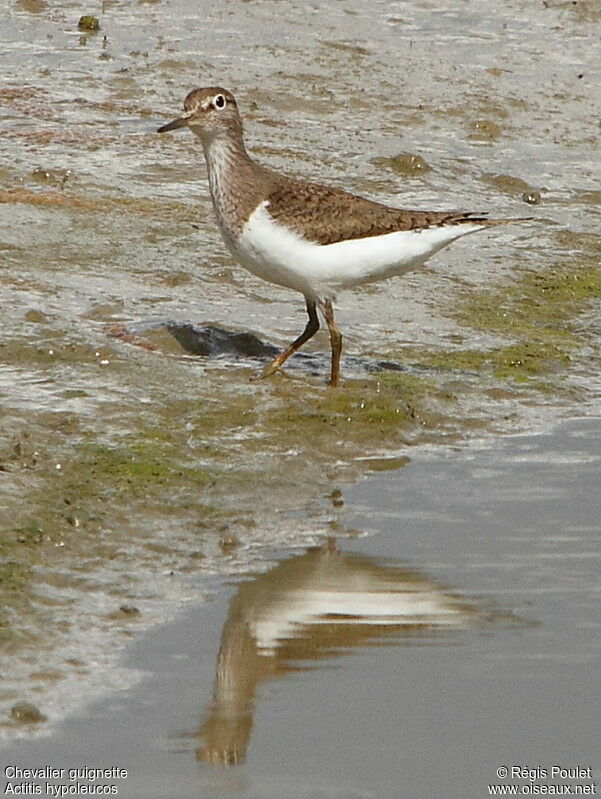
(130, 469)
(461, 635)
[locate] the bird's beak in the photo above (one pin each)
(180, 122)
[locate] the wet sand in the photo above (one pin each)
(452, 630)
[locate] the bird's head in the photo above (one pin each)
(210, 113)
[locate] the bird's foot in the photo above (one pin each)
(269, 370)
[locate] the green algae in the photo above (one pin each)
(515, 362)
(413, 388)
(359, 412)
(538, 305)
(78, 508)
(15, 581)
(141, 464)
(13, 576)
(537, 314)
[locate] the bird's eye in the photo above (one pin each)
(219, 101)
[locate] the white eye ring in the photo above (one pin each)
(219, 101)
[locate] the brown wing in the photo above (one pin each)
(326, 215)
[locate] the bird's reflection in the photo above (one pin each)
(317, 605)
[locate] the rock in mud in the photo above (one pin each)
(26, 713)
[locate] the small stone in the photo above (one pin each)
(509, 184)
(336, 498)
(26, 713)
(52, 177)
(405, 163)
(228, 541)
(485, 130)
(531, 197)
(129, 610)
(33, 315)
(88, 23)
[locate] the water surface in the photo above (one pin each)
(460, 635)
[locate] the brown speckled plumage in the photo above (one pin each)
(321, 215)
(327, 215)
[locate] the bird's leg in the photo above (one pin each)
(335, 342)
(309, 331)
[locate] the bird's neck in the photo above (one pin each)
(231, 171)
(225, 155)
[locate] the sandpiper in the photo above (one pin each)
(306, 236)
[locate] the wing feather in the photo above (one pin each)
(327, 215)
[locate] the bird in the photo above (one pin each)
(306, 236)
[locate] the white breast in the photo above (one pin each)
(281, 256)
